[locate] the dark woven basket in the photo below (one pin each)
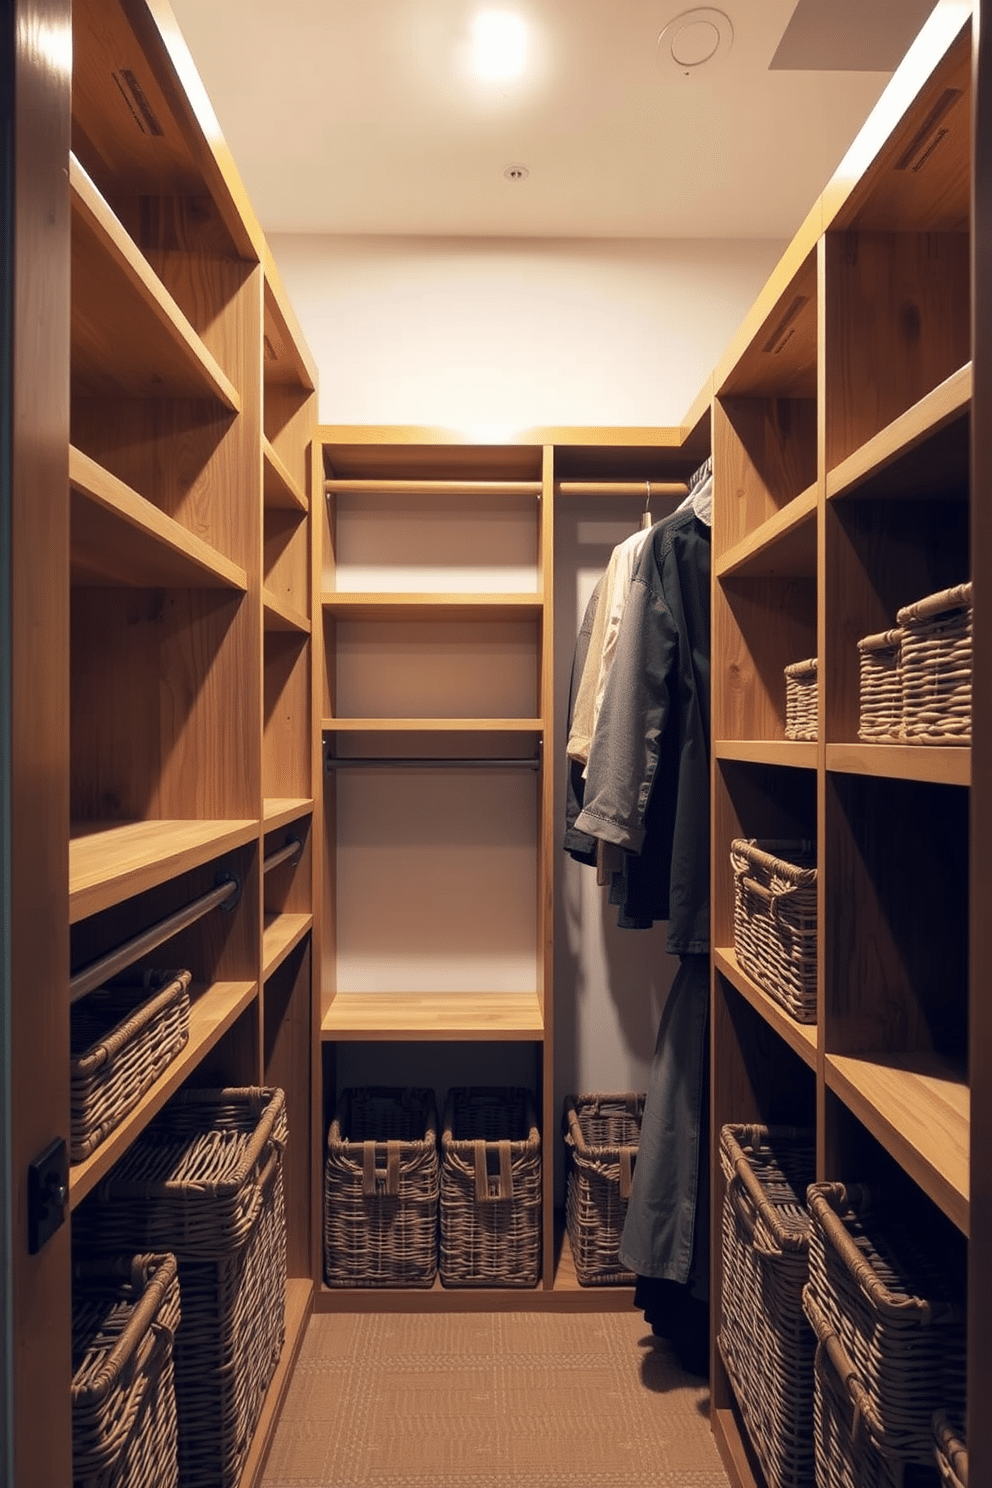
(880, 680)
(950, 1451)
(764, 1339)
(381, 1185)
(204, 1180)
(888, 1319)
(602, 1134)
(124, 1320)
(775, 920)
(936, 664)
(490, 1188)
(121, 1039)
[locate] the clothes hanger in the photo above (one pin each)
(646, 521)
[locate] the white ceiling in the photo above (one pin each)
(360, 116)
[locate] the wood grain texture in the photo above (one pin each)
(793, 753)
(782, 547)
(280, 613)
(286, 744)
(280, 487)
(892, 463)
(780, 359)
(939, 766)
(112, 862)
(423, 1015)
(383, 606)
(760, 626)
(801, 1037)
(286, 557)
(764, 456)
(282, 934)
(279, 811)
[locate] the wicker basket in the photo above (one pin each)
(886, 1318)
(602, 1133)
(381, 1183)
(950, 1451)
(490, 1188)
(775, 920)
(124, 1320)
(205, 1181)
(764, 1339)
(881, 688)
(119, 1048)
(935, 663)
(801, 706)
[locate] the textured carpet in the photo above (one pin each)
(491, 1400)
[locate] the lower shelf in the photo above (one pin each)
(433, 1015)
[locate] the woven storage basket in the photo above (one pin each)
(381, 1183)
(204, 1180)
(119, 1046)
(602, 1133)
(881, 687)
(490, 1188)
(950, 1451)
(935, 663)
(764, 1338)
(775, 920)
(892, 1329)
(801, 700)
(124, 1321)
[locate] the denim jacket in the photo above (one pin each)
(647, 786)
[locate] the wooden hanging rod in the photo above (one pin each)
(98, 972)
(433, 487)
(434, 762)
(647, 489)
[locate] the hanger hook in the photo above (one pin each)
(647, 499)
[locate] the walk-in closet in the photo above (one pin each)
(309, 967)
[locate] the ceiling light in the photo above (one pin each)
(694, 40)
(499, 45)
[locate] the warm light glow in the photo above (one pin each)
(499, 45)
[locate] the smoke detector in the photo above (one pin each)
(516, 173)
(694, 40)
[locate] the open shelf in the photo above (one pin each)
(110, 863)
(440, 1015)
(372, 606)
(918, 1107)
(432, 725)
(281, 934)
(279, 810)
(278, 485)
(213, 1010)
(800, 1037)
(938, 765)
(281, 615)
(129, 337)
(782, 547)
(120, 538)
(922, 452)
(796, 754)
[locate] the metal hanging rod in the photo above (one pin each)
(291, 849)
(125, 955)
(434, 762)
(622, 488)
(432, 487)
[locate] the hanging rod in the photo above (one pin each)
(289, 850)
(622, 488)
(125, 955)
(433, 487)
(434, 762)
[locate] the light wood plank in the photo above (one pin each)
(780, 358)
(109, 863)
(120, 538)
(733, 1447)
(423, 1016)
(801, 1037)
(280, 489)
(432, 725)
(299, 1305)
(948, 402)
(280, 935)
(941, 766)
(281, 615)
(372, 606)
(797, 754)
(782, 547)
(339, 486)
(277, 811)
(286, 356)
(212, 1011)
(918, 1107)
(129, 337)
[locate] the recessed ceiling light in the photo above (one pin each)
(516, 173)
(694, 40)
(499, 45)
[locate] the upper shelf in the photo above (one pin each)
(111, 863)
(366, 606)
(922, 452)
(284, 360)
(280, 614)
(129, 337)
(279, 487)
(782, 547)
(119, 538)
(779, 360)
(419, 1016)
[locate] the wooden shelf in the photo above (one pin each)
(918, 1107)
(419, 1016)
(897, 462)
(801, 1037)
(299, 1306)
(779, 358)
(783, 547)
(284, 361)
(281, 934)
(279, 487)
(129, 337)
(432, 725)
(281, 615)
(429, 606)
(795, 754)
(213, 1009)
(119, 538)
(418, 489)
(928, 764)
(110, 863)
(277, 811)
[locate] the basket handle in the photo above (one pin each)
(156, 1274)
(829, 1343)
(372, 1179)
(485, 1189)
(836, 1231)
(772, 900)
